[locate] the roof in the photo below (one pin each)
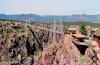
(95, 29)
(72, 29)
(79, 36)
(79, 43)
(97, 33)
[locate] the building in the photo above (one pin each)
(96, 37)
(79, 41)
(72, 30)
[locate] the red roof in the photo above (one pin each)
(97, 33)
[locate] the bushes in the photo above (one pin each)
(66, 31)
(9, 30)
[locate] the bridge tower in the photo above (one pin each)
(54, 29)
(59, 28)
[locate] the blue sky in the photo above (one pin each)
(50, 7)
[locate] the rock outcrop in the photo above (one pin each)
(92, 56)
(62, 53)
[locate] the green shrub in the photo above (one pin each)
(66, 31)
(82, 29)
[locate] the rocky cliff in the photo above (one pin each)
(62, 53)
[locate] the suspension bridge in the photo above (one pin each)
(56, 30)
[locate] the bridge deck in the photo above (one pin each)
(46, 29)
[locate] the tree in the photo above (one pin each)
(66, 31)
(82, 29)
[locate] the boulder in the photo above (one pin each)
(61, 53)
(92, 56)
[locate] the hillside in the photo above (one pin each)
(50, 18)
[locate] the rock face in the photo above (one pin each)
(62, 53)
(3, 50)
(92, 56)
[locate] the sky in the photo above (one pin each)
(50, 7)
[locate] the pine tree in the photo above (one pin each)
(82, 29)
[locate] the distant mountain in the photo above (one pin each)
(50, 18)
